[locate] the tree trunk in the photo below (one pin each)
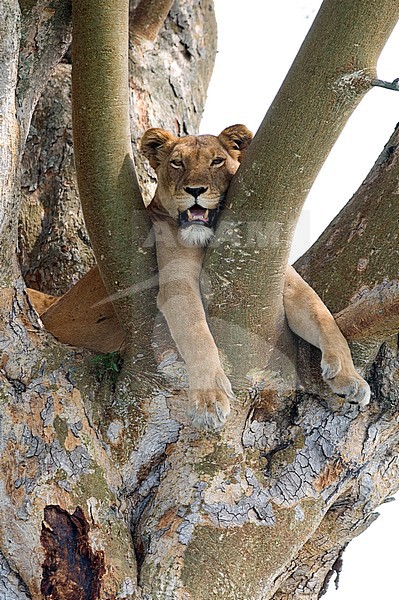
(111, 495)
(168, 83)
(60, 486)
(54, 247)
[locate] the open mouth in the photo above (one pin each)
(197, 215)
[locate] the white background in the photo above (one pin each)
(258, 41)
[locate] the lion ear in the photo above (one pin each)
(236, 140)
(154, 143)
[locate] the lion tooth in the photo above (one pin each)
(190, 216)
(206, 214)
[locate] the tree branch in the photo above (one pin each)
(109, 191)
(393, 85)
(9, 134)
(374, 316)
(41, 50)
(358, 250)
(33, 38)
(317, 97)
(149, 17)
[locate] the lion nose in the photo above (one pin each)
(197, 191)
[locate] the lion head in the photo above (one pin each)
(194, 173)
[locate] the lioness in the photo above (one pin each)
(194, 173)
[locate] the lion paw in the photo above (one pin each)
(330, 366)
(209, 406)
(340, 374)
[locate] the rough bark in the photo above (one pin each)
(9, 131)
(54, 247)
(149, 17)
(52, 456)
(358, 252)
(230, 508)
(43, 415)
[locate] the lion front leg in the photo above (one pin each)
(180, 302)
(309, 318)
(210, 390)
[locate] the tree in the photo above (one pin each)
(107, 490)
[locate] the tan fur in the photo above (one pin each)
(204, 166)
(40, 301)
(309, 318)
(82, 317)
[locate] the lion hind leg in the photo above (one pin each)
(344, 380)
(309, 318)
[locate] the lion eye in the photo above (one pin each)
(176, 163)
(218, 161)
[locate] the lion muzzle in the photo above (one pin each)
(197, 225)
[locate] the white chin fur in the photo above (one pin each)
(196, 235)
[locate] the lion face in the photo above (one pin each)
(194, 173)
